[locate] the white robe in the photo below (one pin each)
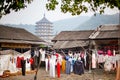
(46, 64)
(42, 55)
(52, 66)
(70, 59)
(94, 59)
(108, 66)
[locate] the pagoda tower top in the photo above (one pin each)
(44, 20)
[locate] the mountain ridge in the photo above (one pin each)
(76, 23)
(98, 20)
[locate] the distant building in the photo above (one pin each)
(44, 29)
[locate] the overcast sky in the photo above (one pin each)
(35, 12)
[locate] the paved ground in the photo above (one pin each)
(97, 74)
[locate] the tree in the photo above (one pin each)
(76, 7)
(6, 6)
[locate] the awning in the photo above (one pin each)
(69, 44)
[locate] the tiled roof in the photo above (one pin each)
(73, 35)
(17, 35)
(69, 44)
(106, 32)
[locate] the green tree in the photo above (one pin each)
(76, 7)
(6, 6)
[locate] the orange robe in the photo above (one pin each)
(63, 65)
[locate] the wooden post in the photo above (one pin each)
(118, 71)
(90, 56)
(119, 42)
(119, 35)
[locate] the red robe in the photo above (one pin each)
(32, 63)
(58, 69)
(31, 60)
(18, 65)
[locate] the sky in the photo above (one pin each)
(35, 12)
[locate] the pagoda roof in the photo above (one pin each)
(44, 20)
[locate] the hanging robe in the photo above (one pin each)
(32, 63)
(71, 64)
(63, 65)
(52, 66)
(46, 64)
(85, 55)
(68, 67)
(108, 66)
(58, 69)
(109, 52)
(78, 67)
(93, 59)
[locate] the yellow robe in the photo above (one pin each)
(63, 65)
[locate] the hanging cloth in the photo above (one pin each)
(63, 65)
(52, 66)
(94, 59)
(68, 67)
(58, 69)
(46, 64)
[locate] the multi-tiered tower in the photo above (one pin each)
(44, 29)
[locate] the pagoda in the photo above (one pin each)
(44, 29)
